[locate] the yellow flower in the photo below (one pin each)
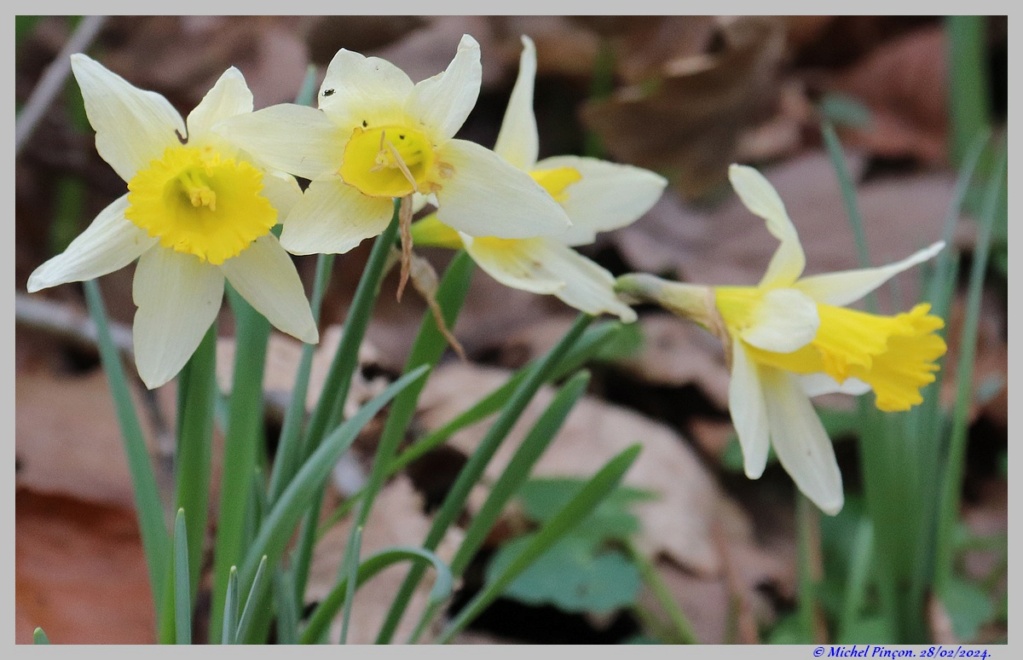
(197, 211)
(596, 195)
(377, 136)
(791, 337)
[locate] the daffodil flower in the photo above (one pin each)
(377, 136)
(596, 195)
(197, 211)
(791, 337)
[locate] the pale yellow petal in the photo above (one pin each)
(108, 244)
(785, 320)
(266, 277)
(357, 88)
(800, 441)
(762, 199)
(607, 197)
(133, 126)
(292, 138)
(486, 196)
(229, 97)
(749, 412)
(178, 297)
(846, 287)
(442, 103)
(332, 218)
(518, 141)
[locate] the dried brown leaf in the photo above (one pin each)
(686, 121)
(80, 572)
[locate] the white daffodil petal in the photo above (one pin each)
(229, 97)
(514, 263)
(332, 218)
(133, 126)
(608, 195)
(748, 411)
(283, 192)
(357, 88)
(785, 320)
(518, 141)
(762, 199)
(589, 287)
(443, 102)
(108, 244)
(485, 196)
(266, 277)
(293, 138)
(178, 297)
(846, 287)
(799, 440)
(818, 384)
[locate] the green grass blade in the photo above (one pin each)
(514, 475)
(152, 528)
(858, 579)
(286, 608)
(182, 583)
(948, 513)
(968, 98)
(230, 628)
(328, 608)
(197, 389)
(241, 444)
(39, 637)
(329, 409)
(289, 444)
(472, 471)
(580, 506)
(250, 605)
(352, 557)
(591, 344)
(286, 513)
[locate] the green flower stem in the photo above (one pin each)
(858, 579)
(648, 571)
(289, 445)
(427, 349)
(241, 443)
(473, 469)
(330, 408)
(969, 101)
(197, 388)
(580, 506)
(156, 541)
(182, 583)
(809, 542)
(948, 512)
(278, 526)
(511, 479)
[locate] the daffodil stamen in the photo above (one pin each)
(196, 186)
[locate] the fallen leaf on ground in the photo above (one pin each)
(80, 573)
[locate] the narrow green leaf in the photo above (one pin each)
(39, 637)
(286, 608)
(241, 443)
(952, 481)
(511, 479)
(247, 612)
(182, 583)
(602, 483)
(328, 608)
(280, 522)
(230, 629)
(472, 471)
(352, 557)
(156, 541)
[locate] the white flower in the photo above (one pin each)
(377, 137)
(791, 337)
(197, 211)
(596, 195)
